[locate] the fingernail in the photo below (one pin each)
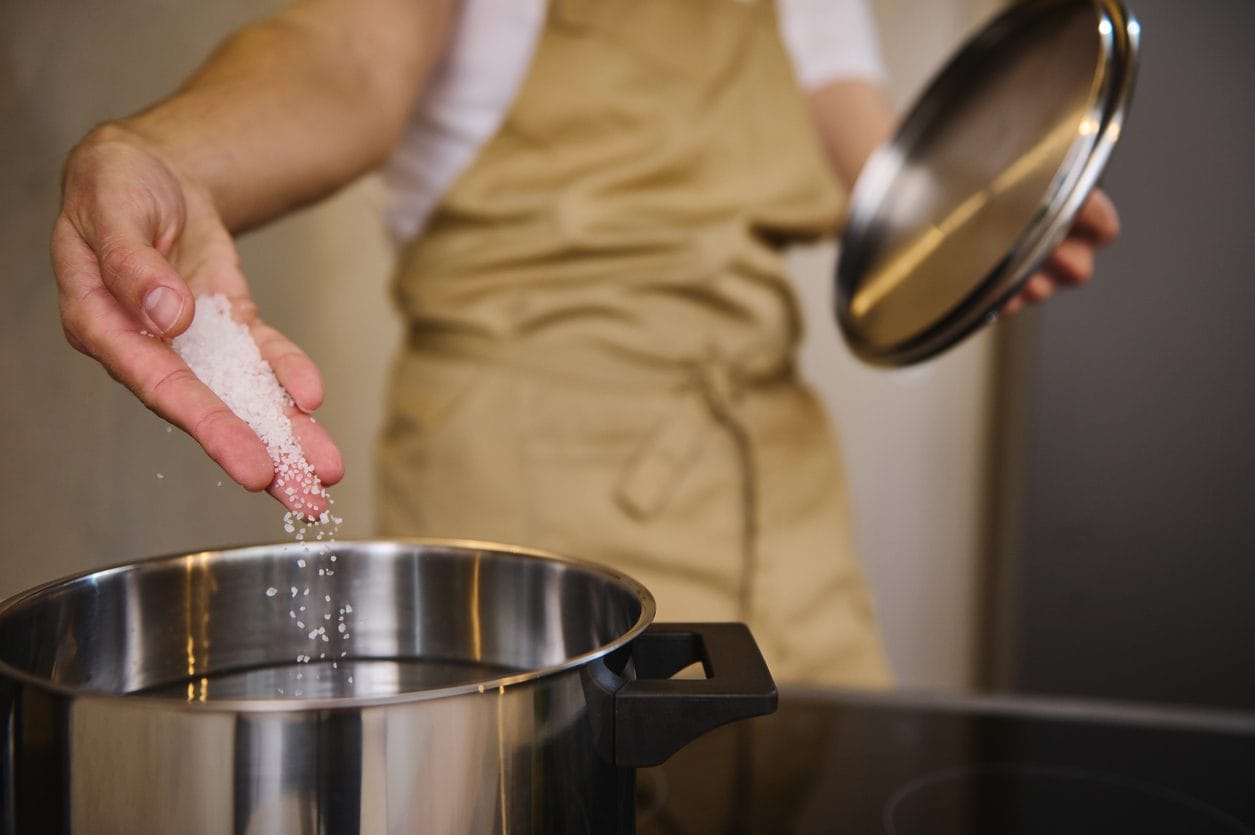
(163, 307)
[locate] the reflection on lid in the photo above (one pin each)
(977, 228)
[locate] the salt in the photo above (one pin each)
(222, 354)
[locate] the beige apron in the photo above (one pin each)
(600, 359)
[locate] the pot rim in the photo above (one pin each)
(341, 703)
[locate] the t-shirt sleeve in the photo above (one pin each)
(830, 40)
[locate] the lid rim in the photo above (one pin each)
(1078, 175)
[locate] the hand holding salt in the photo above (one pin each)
(224, 356)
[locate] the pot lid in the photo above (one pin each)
(984, 177)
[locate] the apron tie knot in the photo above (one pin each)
(646, 485)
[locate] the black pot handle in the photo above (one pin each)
(656, 715)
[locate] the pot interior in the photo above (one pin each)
(341, 620)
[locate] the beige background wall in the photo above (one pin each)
(81, 458)
(914, 440)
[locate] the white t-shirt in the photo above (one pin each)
(476, 81)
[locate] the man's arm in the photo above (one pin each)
(854, 118)
(283, 113)
(289, 109)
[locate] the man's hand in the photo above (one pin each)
(283, 113)
(1072, 263)
(133, 245)
(855, 117)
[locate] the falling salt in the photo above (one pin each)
(223, 355)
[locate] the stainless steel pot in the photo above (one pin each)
(369, 687)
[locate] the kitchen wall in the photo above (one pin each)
(91, 478)
(915, 440)
(1128, 548)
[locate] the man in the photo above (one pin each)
(599, 358)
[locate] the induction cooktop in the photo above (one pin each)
(834, 763)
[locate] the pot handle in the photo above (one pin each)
(656, 715)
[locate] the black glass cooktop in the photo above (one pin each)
(851, 763)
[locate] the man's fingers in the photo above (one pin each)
(320, 451)
(299, 493)
(296, 372)
(167, 386)
(1072, 262)
(1097, 221)
(154, 372)
(77, 273)
(1038, 288)
(1047, 282)
(146, 285)
(127, 210)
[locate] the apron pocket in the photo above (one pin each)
(687, 554)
